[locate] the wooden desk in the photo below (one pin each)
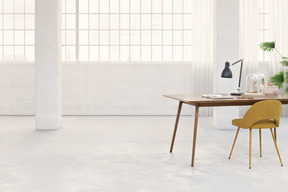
(199, 101)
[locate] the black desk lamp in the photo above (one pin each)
(227, 73)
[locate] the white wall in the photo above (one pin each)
(100, 89)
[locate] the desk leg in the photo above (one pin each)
(176, 125)
(195, 134)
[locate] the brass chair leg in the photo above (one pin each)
(260, 142)
(275, 134)
(234, 142)
(276, 146)
(250, 141)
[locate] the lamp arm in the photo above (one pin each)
(241, 60)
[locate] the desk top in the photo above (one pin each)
(206, 102)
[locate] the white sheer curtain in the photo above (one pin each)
(278, 30)
(202, 49)
(248, 40)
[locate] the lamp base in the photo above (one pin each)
(236, 94)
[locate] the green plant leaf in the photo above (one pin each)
(267, 46)
(284, 63)
(278, 79)
(286, 90)
(285, 58)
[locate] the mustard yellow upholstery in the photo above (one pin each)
(263, 114)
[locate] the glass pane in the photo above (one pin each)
(104, 37)
(93, 53)
(83, 6)
(63, 26)
(30, 53)
(135, 37)
(114, 37)
(71, 6)
(167, 53)
(124, 6)
(146, 6)
(83, 53)
(104, 6)
(146, 21)
(114, 53)
(8, 21)
(157, 37)
(63, 37)
(93, 37)
(167, 6)
(167, 21)
(124, 53)
(156, 21)
(83, 21)
(124, 37)
(8, 6)
(8, 37)
(177, 6)
(93, 22)
(135, 6)
(18, 6)
(124, 22)
(30, 6)
(30, 37)
(104, 53)
(177, 53)
(114, 6)
(177, 21)
(135, 21)
(19, 53)
(156, 53)
(114, 22)
(146, 53)
(187, 38)
(104, 21)
(8, 53)
(1, 38)
(83, 37)
(19, 21)
(70, 53)
(187, 53)
(19, 37)
(71, 37)
(187, 21)
(146, 37)
(177, 37)
(260, 21)
(70, 21)
(157, 6)
(187, 6)
(167, 37)
(29, 21)
(135, 53)
(94, 4)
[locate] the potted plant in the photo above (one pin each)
(281, 77)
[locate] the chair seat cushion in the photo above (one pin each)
(267, 123)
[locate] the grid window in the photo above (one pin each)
(17, 30)
(126, 30)
(263, 27)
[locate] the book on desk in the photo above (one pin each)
(217, 96)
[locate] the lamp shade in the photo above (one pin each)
(226, 73)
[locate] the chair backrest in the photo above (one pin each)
(268, 109)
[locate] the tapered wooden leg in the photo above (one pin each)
(276, 146)
(195, 134)
(250, 142)
(275, 134)
(234, 142)
(260, 142)
(176, 125)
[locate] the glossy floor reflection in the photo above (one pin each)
(131, 154)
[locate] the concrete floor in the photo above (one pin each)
(131, 154)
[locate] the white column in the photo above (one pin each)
(48, 64)
(227, 48)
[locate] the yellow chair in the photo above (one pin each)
(263, 114)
